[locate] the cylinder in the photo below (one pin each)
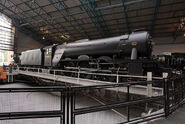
(134, 54)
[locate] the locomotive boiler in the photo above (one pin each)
(115, 49)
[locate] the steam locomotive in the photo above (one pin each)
(125, 52)
(174, 60)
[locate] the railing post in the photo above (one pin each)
(68, 106)
(78, 75)
(166, 94)
(72, 107)
(182, 89)
(149, 86)
(117, 79)
(173, 91)
(183, 86)
(54, 75)
(128, 99)
(66, 102)
(12, 77)
(8, 78)
(63, 108)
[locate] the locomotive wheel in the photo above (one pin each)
(83, 61)
(83, 64)
(69, 63)
(88, 76)
(111, 79)
(104, 59)
(101, 78)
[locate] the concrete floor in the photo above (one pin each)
(19, 102)
(178, 117)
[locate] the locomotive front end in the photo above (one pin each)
(138, 44)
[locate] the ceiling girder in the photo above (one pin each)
(61, 7)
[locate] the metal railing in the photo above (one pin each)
(172, 97)
(68, 110)
(175, 92)
(128, 103)
(33, 114)
(90, 78)
(78, 73)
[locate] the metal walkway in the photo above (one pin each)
(46, 74)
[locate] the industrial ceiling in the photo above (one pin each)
(59, 21)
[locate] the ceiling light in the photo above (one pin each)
(43, 37)
(65, 36)
(62, 36)
(46, 32)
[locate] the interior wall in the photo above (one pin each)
(158, 49)
(26, 42)
(168, 44)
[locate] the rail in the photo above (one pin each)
(84, 78)
(79, 72)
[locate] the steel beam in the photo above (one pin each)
(96, 17)
(97, 9)
(126, 16)
(14, 10)
(100, 8)
(16, 21)
(147, 21)
(81, 12)
(158, 2)
(99, 17)
(91, 15)
(61, 7)
(33, 4)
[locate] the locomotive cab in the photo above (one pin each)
(48, 55)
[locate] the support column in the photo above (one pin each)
(134, 54)
(128, 99)
(166, 94)
(149, 86)
(68, 108)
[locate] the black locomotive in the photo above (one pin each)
(125, 52)
(176, 61)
